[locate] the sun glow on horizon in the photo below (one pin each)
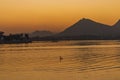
(54, 15)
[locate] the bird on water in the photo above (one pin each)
(60, 58)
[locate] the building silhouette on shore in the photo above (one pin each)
(14, 38)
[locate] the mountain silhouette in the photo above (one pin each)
(86, 27)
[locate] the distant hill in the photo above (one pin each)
(40, 34)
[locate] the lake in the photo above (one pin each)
(63, 60)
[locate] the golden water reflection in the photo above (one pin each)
(82, 60)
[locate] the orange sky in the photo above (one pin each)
(54, 15)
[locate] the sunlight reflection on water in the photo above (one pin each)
(43, 57)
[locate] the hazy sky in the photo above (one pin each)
(54, 15)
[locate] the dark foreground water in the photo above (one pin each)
(82, 60)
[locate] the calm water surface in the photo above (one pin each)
(82, 60)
